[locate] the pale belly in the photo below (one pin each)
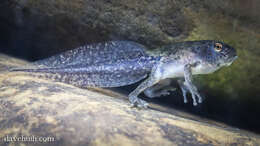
(176, 70)
(203, 69)
(172, 71)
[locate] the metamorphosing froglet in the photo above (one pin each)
(121, 63)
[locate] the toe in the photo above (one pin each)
(173, 89)
(200, 100)
(165, 93)
(142, 104)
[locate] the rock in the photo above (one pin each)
(62, 114)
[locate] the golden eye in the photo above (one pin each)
(218, 47)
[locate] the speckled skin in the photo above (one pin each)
(120, 63)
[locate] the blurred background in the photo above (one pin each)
(33, 30)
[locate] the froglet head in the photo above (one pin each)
(221, 53)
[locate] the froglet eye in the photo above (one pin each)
(218, 47)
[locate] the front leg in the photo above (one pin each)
(184, 90)
(188, 84)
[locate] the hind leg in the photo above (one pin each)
(162, 88)
(133, 96)
(154, 77)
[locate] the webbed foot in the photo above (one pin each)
(137, 102)
(153, 92)
(166, 91)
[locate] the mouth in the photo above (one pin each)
(231, 61)
(235, 58)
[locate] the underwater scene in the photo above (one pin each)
(129, 72)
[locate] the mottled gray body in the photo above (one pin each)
(120, 63)
(108, 52)
(110, 64)
(106, 74)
